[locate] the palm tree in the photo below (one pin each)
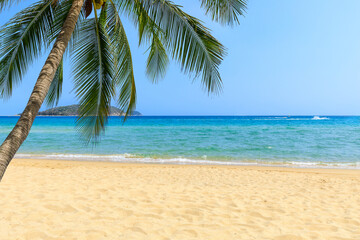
(101, 54)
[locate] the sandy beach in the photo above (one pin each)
(47, 199)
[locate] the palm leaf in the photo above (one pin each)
(190, 42)
(124, 73)
(7, 3)
(54, 93)
(225, 11)
(61, 11)
(145, 25)
(22, 40)
(157, 60)
(93, 73)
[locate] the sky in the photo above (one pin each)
(299, 57)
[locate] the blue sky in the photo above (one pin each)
(299, 57)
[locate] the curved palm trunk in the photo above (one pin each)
(22, 128)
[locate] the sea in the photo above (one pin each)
(291, 141)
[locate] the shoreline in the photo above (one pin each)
(130, 159)
(110, 164)
(30, 162)
(53, 199)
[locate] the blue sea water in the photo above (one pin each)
(305, 141)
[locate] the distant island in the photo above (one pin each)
(72, 110)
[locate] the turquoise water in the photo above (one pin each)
(292, 141)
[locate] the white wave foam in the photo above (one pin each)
(282, 119)
(130, 158)
(319, 118)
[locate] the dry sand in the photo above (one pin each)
(43, 199)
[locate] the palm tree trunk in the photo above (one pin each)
(22, 128)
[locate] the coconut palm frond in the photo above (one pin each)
(124, 73)
(125, 6)
(157, 61)
(4, 4)
(55, 90)
(225, 11)
(190, 42)
(61, 11)
(146, 27)
(93, 73)
(22, 40)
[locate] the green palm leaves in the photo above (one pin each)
(157, 60)
(189, 42)
(103, 68)
(225, 11)
(22, 40)
(7, 3)
(93, 73)
(124, 74)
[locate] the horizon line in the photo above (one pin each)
(218, 115)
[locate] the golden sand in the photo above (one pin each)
(43, 199)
